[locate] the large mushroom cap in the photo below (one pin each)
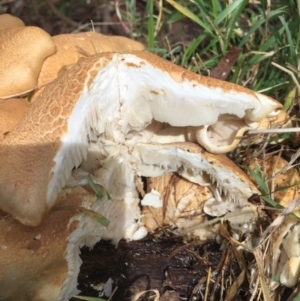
(113, 98)
(22, 53)
(71, 47)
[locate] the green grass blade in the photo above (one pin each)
(98, 217)
(257, 25)
(214, 5)
(271, 202)
(233, 20)
(257, 176)
(97, 191)
(189, 15)
(151, 29)
(191, 49)
(289, 38)
(227, 11)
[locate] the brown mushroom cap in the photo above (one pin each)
(71, 47)
(22, 53)
(11, 112)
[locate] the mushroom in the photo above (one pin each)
(42, 263)
(11, 111)
(110, 100)
(71, 47)
(208, 177)
(282, 120)
(286, 253)
(33, 259)
(22, 53)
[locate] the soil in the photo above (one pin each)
(169, 266)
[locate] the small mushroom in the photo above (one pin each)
(110, 99)
(22, 53)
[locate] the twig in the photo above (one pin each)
(274, 131)
(278, 221)
(207, 284)
(286, 167)
(289, 72)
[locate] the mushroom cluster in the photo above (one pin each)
(30, 58)
(116, 116)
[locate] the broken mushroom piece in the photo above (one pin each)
(205, 177)
(282, 120)
(110, 98)
(22, 53)
(286, 246)
(33, 260)
(182, 209)
(71, 47)
(42, 263)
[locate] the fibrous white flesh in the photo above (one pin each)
(122, 217)
(118, 173)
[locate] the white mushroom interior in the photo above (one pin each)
(123, 164)
(154, 160)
